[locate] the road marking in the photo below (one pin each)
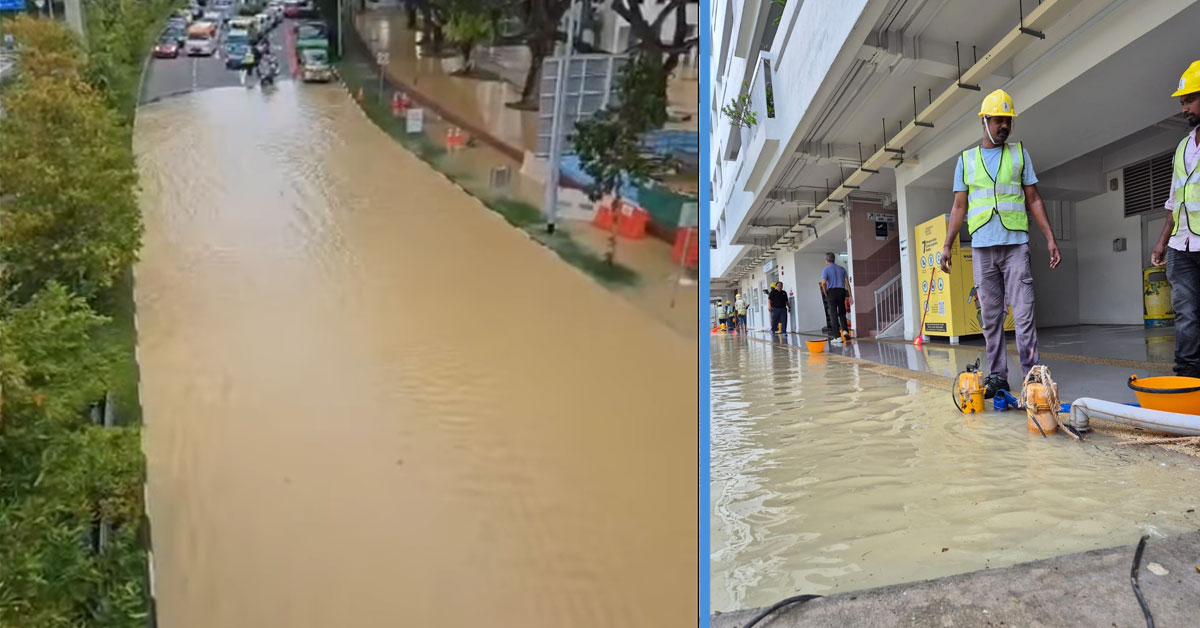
(195, 65)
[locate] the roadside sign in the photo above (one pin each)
(383, 58)
(414, 120)
(12, 5)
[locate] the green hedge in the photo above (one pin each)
(66, 330)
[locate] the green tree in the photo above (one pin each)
(609, 145)
(46, 48)
(68, 210)
(466, 30)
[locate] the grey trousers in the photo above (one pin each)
(1002, 274)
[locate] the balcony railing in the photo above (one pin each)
(761, 94)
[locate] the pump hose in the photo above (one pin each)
(799, 599)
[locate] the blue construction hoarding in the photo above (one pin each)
(12, 5)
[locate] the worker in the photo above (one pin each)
(1179, 245)
(835, 285)
(740, 306)
(779, 306)
(721, 313)
(995, 191)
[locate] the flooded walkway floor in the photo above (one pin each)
(370, 402)
(831, 477)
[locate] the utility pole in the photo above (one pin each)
(557, 121)
(341, 25)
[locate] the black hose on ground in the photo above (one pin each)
(1133, 577)
(799, 599)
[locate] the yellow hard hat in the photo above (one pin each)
(998, 103)
(1190, 81)
(738, 296)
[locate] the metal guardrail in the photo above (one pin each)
(889, 304)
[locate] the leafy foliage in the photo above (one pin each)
(739, 112)
(466, 30)
(69, 227)
(609, 144)
(67, 182)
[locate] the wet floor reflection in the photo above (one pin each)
(370, 402)
(829, 477)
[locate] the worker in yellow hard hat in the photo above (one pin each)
(721, 313)
(995, 192)
(778, 305)
(1179, 245)
(739, 307)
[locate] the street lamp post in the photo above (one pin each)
(560, 89)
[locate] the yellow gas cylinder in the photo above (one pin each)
(968, 391)
(1043, 417)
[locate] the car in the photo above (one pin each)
(314, 66)
(312, 34)
(238, 56)
(213, 16)
(167, 48)
(176, 33)
(264, 22)
(293, 8)
(176, 21)
(201, 39)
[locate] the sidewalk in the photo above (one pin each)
(501, 135)
(1086, 589)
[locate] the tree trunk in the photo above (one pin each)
(610, 256)
(529, 92)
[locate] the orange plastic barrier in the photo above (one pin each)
(632, 225)
(682, 237)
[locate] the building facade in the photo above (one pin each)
(862, 108)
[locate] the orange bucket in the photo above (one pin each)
(1168, 394)
(816, 346)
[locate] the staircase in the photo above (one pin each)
(889, 309)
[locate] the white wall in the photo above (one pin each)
(804, 273)
(1110, 283)
(1055, 292)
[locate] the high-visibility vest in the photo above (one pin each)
(1187, 190)
(1005, 196)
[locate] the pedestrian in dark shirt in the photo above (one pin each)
(779, 306)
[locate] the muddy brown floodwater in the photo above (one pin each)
(370, 402)
(828, 477)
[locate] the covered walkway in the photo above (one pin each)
(1085, 360)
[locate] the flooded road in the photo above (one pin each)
(369, 402)
(827, 477)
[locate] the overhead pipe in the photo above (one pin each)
(1044, 15)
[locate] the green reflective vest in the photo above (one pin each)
(1187, 190)
(1005, 196)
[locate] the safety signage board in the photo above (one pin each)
(414, 120)
(874, 217)
(950, 303)
(383, 58)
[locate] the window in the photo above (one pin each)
(1147, 184)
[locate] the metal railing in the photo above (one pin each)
(889, 304)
